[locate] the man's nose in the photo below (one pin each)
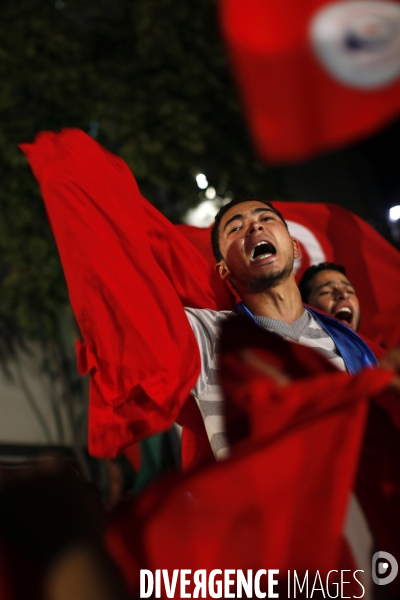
(255, 226)
(341, 293)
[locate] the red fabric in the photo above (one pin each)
(378, 470)
(123, 276)
(132, 453)
(277, 502)
(378, 479)
(330, 233)
(295, 107)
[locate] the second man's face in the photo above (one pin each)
(333, 293)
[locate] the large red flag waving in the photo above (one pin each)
(138, 346)
(128, 271)
(316, 74)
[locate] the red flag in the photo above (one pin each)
(276, 503)
(327, 232)
(378, 477)
(139, 345)
(313, 75)
(128, 271)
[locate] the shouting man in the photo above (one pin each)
(326, 287)
(255, 253)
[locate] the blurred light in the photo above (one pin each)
(394, 213)
(203, 215)
(210, 193)
(59, 4)
(201, 180)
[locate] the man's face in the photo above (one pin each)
(333, 293)
(257, 248)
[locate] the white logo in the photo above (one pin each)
(383, 567)
(358, 41)
(310, 243)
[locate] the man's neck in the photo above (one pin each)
(282, 302)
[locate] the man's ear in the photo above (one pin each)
(296, 248)
(222, 270)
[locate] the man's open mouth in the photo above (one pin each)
(344, 314)
(262, 250)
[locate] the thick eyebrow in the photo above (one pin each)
(331, 282)
(253, 212)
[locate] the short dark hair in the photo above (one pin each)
(304, 283)
(224, 209)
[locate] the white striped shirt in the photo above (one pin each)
(206, 325)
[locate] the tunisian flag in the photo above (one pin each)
(128, 271)
(327, 232)
(277, 503)
(316, 74)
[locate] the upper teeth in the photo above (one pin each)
(260, 244)
(344, 309)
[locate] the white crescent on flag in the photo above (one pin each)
(309, 242)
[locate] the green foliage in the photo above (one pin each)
(149, 79)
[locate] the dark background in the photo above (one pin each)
(150, 80)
